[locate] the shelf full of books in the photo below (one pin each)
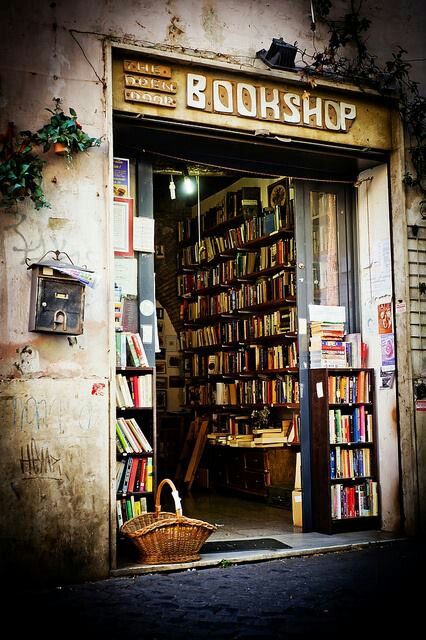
(135, 428)
(237, 284)
(345, 484)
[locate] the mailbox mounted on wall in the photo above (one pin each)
(57, 296)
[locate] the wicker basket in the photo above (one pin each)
(163, 537)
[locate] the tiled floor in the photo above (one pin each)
(243, 518)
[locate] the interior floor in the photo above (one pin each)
(238, 517)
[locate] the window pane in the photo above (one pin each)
(325, 267)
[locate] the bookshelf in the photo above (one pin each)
(135, 428)
(237, 286)
(345, 484)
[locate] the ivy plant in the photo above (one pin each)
(20, 172)
(347, 35)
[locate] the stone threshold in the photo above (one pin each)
(243, 557)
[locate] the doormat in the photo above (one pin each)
(261, 544)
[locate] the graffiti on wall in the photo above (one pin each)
(38, 462)
(27, 413)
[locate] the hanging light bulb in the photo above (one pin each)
(188, 185)
(172, 188)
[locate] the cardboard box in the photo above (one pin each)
(296, 499)
(298, 473)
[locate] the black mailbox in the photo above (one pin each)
(57, 301)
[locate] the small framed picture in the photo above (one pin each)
(176, 382)
(175, 362)
(123, 227)
(161, 396)
(277, 193)
(161, 382)
(160, 367)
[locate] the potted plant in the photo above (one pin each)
(64, 133)
(20, 171)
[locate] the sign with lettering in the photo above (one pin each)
(153, 84)
(248, 100)
(216, 97)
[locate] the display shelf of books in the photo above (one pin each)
(238, 309)
(345, 485)
(135, 428)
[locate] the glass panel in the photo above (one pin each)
(325, 267)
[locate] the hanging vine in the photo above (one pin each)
(347, 36)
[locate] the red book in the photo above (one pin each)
(142, 477)
(132, 475)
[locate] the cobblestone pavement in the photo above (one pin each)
(365, 593)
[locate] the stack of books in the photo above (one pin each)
(272, 437)
(327, 345)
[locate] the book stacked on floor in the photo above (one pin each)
(328, 347)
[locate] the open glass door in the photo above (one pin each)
(325, 240)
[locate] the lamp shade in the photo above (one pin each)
(280, 55)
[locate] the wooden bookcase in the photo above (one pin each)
(237, 285)
(144, 462)
(344, 450)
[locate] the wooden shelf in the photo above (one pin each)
(322, 483)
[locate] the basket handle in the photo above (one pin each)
(175, 495)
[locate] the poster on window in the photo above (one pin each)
(384, 317)
(121, 177)
(387, 347)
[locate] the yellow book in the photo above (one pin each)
(149, 476)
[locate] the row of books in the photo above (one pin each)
(356, 426)
(280, 253)
(242, 298)
(253, 358)
(133, 391)
(358, 501)
(235, 203)
(235, 330)
(349, 389)
(280, 285)
(211, 247)
(281, 390)
(129, 350)
(134, 475)
(128, 508)
(349, 463)
(130, 437)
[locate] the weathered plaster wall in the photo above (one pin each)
(55, 49)
(54, 395)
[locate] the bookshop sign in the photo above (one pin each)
(210, 96)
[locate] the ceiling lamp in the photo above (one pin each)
(188, 185)
(281, 55)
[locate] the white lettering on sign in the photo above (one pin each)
(150, 98)
(266, 103)
(222, 96)
(154, 84)
(195, 96)
(271, 103)
(246, 100)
